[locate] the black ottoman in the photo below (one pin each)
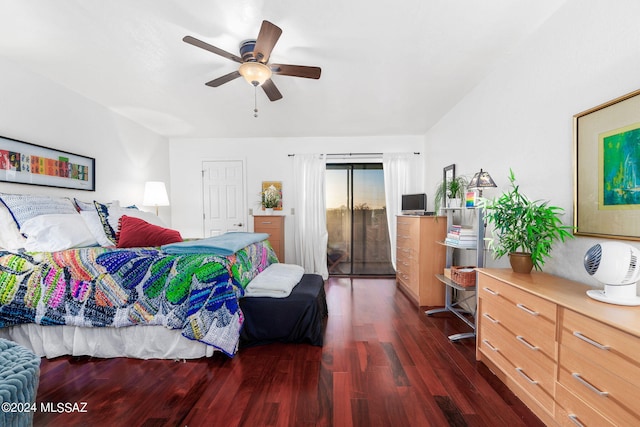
(298, 318)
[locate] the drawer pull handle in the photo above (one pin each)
(527, 343)
(266, 222)
(491, 319)
(488, 344)
(527, 310)
(526, 377)
(574, 419)
(590, 341)
(491, 291)
(589, 385)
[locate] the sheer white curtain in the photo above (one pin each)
(402, 175)
(310, 220)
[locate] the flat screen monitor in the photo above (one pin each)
(414, 203)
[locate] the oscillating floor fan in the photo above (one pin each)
(615, 265)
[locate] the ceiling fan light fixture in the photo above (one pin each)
(255, 73)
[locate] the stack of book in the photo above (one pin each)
(461, 236)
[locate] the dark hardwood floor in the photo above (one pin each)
(384, 363)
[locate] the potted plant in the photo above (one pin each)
(524, 229)
(453, 189)
(270, 197)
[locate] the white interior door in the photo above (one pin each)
(223, 184)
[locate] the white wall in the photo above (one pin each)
(520, 117)
(36, 110)
(266, 159)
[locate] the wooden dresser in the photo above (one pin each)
(274, 226)
(419, 258)
(571, 359)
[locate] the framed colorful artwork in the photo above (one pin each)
(607, 169)
(25, 163)
(470, 199)
(272, 190)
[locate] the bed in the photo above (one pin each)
(65, 292)
(86, 300)
(98, 279)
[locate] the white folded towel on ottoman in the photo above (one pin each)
(276, 281)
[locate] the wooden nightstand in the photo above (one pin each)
(274, 226)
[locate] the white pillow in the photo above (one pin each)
(94, 224)
(56, 232)
(10, 237)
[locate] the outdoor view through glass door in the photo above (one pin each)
(357, 220)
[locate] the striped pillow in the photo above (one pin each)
(26, 206)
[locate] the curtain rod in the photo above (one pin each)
(354, 154)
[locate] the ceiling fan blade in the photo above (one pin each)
(267, 39)
(224, 79)
(271, 90)
(296, 71)
(206, 46)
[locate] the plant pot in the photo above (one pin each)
(454, 203)
(268, 211)
(521, 262)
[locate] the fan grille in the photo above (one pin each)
(633, 266)
(592, 259)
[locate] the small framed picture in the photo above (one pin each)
(470, 199)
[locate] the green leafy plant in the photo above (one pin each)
(454, 189)
(270, 197)
(522, 225)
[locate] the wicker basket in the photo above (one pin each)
(464, 276)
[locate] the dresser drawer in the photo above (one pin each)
(602, 344)
(273, 225)
(492, 287)
(261, 225)
(405, 260)
(404, 253)
(610, 394)
(572, 411)
(407, 272)
(500, 346)
(533, 335)
(408, 246)
(525, 315)
(408, 232)
(405, 224)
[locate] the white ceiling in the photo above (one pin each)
(388, 67)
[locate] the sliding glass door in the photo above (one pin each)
(357, 220)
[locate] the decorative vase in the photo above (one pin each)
(521, 262)
(454, 203)
(268, 211)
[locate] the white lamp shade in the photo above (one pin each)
(155, 194)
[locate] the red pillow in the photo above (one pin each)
(135, 233)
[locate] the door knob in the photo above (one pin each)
(238, 225)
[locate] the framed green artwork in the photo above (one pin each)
(607, 169)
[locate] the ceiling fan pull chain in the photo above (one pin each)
(255, 101)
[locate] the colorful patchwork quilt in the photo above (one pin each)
(100, 287)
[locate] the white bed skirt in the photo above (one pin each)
(141, 342)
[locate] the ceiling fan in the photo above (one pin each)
(254, 61)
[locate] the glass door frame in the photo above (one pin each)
(350, 167)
